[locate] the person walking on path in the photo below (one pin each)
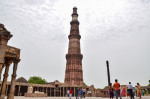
(84, 92)
(68, 93)
(117, 89)
(77, 93)
(121, 92)
(111, 93)
(129, 86)
(135, 91)
(143, 92)
(81, 93)
(139, 90)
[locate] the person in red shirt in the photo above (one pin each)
(117, 89)
(70, 93)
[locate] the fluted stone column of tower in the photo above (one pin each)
(74, 73)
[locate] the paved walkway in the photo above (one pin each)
(145, 97)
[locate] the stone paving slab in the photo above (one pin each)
(18, 97)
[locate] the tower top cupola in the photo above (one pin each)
(74, 12)
(74, 17)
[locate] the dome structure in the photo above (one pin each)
(4, 32)
(22, 80)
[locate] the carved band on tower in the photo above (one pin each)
(74, 73)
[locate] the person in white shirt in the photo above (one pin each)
(68, 93)
(129, 86)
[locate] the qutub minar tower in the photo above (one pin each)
(74, 73)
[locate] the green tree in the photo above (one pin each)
(84, 84)
(37, 80)
(106, 87)
(149, 83)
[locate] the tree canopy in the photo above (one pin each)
(106, 87)
(84, 84)
(37, 80)
(149, 83)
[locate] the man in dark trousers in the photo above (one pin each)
(117, 89)
(129, 86)
(77, 93)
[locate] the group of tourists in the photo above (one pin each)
(117, 91)
(78, 93)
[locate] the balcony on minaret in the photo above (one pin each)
(74, 15)
(75, 10)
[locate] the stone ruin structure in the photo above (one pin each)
(35, 94)
(8, 55)
(21, 87)
(74, 73)
(52, 89)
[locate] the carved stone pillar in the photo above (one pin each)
(50, 92)
(74, 91)
(1, 67)
(37, 88)
(19, 90)
(54, 92)
(12, 87)
(46, 90)
(63, 91)
(6, 89)
(4, 38)
(3, 88)
(60, 92)
(42, 89)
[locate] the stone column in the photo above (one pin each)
(3, 88)
(12, 87)
(46, 89)
(108, 73)
(4, 38)
(63, 91)
(2, 56)
(37, 88)
(6, 89)
(34, 89)
(54, 91)
(43, 89)
(60, 91)
(19, 90)
(50, 91)
(74, 91)
(1, 67)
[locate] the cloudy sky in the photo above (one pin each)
(114, 30)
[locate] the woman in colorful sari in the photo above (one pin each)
(124, 92)
(111, 91)
(139, 90)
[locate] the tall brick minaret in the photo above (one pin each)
(74, 73)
